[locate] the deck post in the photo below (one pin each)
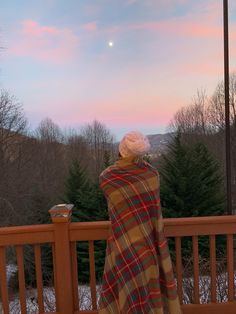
(61, 217)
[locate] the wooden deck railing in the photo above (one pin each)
(63, 236)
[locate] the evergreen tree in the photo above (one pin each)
(89, 205)
(76, 184)
(206, 177)
(191, 185)
(175, 172)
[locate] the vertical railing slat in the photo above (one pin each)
(55, 274)
(92, 275)
(39, 277)
(213, 267)
(74, 267)
(21, 278)
(230, 267)
(196, 269)
(3, 281)
(179, 268)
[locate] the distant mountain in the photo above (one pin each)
(159, 142)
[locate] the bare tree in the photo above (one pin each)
(217, 105)
(193, 119)
(100, 143)
(77, 148)
(48, 131)
(13, 129)
(13, 124)
(50, 159)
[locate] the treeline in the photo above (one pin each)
(35, 165)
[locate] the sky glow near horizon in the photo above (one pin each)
(131, 64)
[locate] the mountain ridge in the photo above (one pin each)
(159, 142)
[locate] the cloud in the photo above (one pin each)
(180, 27)
(90, 26)
(201, 20)
(130, 2)
(157, 4)
(44, 43)
(115, 113)
(202, 68)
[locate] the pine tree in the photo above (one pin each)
(206, 177)
(76, 184)
(191, 185)
(89, 205)
(174, 179)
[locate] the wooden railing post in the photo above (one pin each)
(61, 216)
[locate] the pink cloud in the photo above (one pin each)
(31, 27)
(44, 43)
(206, 69)
(204, 20)
(179, 27)
(158, 4)
(90, 26)
(130, 2)
(116, 113)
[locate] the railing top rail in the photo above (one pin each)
(200, 220)
(196, 226)
(106, 224)
(167, 221)
(21, 235)
(90, 225)
(181, 227)
(189, 226)
(84, 231)
(26, 229)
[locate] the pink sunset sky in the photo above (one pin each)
(58, 62)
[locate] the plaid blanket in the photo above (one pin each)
(138, 276)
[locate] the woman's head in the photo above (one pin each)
(134, 144)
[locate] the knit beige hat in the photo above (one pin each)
(134, 144)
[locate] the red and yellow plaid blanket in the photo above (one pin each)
(138, 276)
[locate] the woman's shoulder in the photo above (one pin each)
(151, 167)
(107, 178)
(108, 172)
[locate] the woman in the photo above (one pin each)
(138, 276)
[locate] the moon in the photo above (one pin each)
(110, 43)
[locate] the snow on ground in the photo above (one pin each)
(205, 289)
(85, 302)
(11, 270)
